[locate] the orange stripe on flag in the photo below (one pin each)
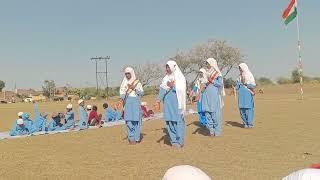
(287, 11)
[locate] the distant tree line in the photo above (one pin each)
(295, 78)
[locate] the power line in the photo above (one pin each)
(98, 61)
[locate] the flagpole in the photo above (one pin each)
(300, 70)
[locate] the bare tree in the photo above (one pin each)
(226, 55)
(186, 64)
(148, 73)
(191, 61)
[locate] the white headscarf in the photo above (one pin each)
(214, 67)
(185, 172)
(204, 78)
(246, 73)
(180, 84)
(126, 82)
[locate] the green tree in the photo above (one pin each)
(49, 88)
(229, 83)
(283, 80)
(317, 79)
(265, 81)
(295, 76)
(2, 85)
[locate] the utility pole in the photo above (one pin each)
(99, 60)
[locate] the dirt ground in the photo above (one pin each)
(285, 138)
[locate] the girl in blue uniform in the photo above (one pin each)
(109, 114)
(40, 120)
(55, 124)
(83, 116)
(130, 92)
(69, 117)
(245, 85)
(211, 101)
(201, 83)
(172, 93)
(19, 128)
(39, 123)
(27, 121)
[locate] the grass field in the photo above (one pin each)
(285, 138)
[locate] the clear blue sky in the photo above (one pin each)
(42, 39)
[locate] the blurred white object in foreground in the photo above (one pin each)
(304, 174)
(185, 172)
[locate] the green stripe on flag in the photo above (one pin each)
(291, 16)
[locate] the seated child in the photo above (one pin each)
(145, 112)
(19, 128)
(27, 121)
(55, 124)
(69, 117)
(39, 123)
(94, 118)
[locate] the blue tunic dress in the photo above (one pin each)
(210, 101)
(109, 115)
(39, 124)
(36, 111)
(69, 119)
(174, 118)
(19, 130)
(117, 115)
(56, 125)
(201, 113)
(133, 115)
(246, 104)
(27, 122)
(83, 118)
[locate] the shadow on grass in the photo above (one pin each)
(234, 124)
(201, 129)
(165, 138)
(141, 137)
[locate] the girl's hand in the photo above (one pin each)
(130, 86)
(170, 84)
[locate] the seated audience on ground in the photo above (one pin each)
(94, 118)
(83, 115)
(20, 115)
(39, 123)
(89, 109)
(69, 117)
(108, 112)
(117, 113)
(112, 114)
(145, 112)
(27, 121)
(55, 124)
(19, 128)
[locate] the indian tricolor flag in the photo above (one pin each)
(290, 13)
